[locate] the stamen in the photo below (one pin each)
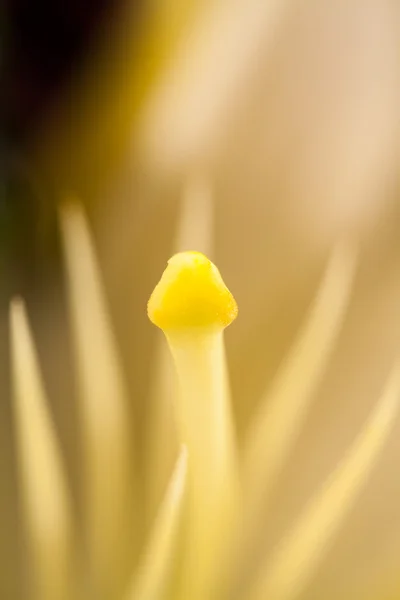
(283, 408)
(45, 497)
(191, 295)
(194, 229)
(285, 576)
(161, 439)
(103, 404)
(192, 305)
(155, 573)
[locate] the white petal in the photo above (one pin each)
(208, 74)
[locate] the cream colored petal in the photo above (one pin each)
(209, 73)
(155, 571)
(108, 470)
(285, 575)
(45, 497)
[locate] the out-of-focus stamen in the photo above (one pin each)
(297, 558)
(44, 493)
(103, 404)
(154, 577)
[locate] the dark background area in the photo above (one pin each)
(45, 42)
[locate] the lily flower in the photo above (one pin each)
(245, 462)
(206, 539)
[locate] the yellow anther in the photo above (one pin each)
(191, 293)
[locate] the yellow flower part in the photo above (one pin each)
(191, 293)
(206, 538)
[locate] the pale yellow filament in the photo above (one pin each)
(282, 410)
(45, 496)
(154, 576)
(103, 405)
(285, 575)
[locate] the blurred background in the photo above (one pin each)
(286, 113)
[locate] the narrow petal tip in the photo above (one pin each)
(191, 294)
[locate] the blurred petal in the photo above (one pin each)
(190, 106)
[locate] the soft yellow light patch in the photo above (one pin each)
(191, 293)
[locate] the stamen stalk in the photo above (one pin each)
(204, 424)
